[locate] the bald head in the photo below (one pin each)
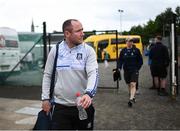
(73, 32)
(67, 25)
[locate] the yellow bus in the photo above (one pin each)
(107, 43)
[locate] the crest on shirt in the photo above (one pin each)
(79, 56)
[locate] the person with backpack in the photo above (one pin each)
(130, 59)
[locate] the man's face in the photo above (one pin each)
(76, 34)
(129, 43)
(156, 40)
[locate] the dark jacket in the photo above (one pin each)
(130, 59)
(159, 55)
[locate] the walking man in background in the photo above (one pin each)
(76, 71)
(159, 62)
(131, 60)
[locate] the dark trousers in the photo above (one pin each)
(67, 118)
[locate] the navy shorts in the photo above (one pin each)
(131, 76)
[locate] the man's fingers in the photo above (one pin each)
(86, 101)
(46, 106)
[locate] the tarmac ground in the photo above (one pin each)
(148, 113)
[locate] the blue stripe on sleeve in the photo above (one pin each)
(95, 85)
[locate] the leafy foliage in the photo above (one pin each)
(160, 26)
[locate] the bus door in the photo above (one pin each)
(101, 46)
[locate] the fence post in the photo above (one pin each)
(176, 52)
(117, 56)
(45, 44)
(173, 59)
(49, 42)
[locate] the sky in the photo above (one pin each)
(93, 14)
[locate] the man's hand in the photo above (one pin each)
(46, 106)
(86, 101)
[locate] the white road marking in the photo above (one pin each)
(27, 121)
(28, 110)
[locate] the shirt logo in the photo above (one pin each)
(79, 56)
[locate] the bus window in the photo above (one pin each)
(103, 44)
(136, 40)
(120, 41)
(11, 43)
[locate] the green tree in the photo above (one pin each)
(149, 31)
(163, 22)
(160, 26)
(136, 30)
